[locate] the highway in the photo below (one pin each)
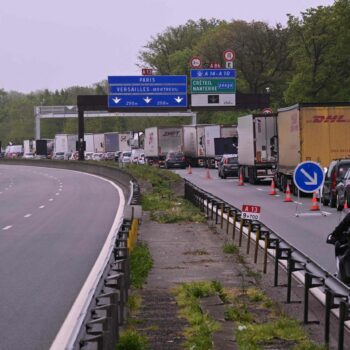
(306, 232)
(53, 224)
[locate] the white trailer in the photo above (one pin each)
(89, 143)
(257, 155)
(194, 144)
(160, 140)
(65, 143)
(99, 143)
(211, 132)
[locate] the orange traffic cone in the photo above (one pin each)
(273, 190)
(189, 169)
(288, 197)
(315, 205)
(241, 179)
(346, 204)
(208, 176)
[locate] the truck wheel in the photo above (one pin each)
(251, 176)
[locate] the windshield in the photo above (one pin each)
(232, 160)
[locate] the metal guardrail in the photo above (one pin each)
(104, 311)
(332, 293)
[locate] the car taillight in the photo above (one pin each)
(226, 161)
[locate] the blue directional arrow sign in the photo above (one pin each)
(147, 91)
(308, 177)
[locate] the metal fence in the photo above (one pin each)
(332, 293)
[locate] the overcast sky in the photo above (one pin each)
(58, 44)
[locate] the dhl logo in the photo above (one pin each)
(328, 119)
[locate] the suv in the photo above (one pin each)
(334, 175)
(343, 191)
(228, 166)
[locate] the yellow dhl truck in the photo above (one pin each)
(318, 132)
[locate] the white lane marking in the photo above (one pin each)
(70, 327)
(27, 215)
(260, 189)
(42, 206)
(60, 189)
(298, 203)
(51, 199)
(6, 227)
(57, 194)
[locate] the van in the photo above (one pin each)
(136, 155)
(335, 173)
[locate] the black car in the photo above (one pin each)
(334, 175)
(175, 160)
(228, 166)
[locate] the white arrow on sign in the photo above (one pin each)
(116, 100)
(312, 180)
(178, 99)
(147, 99)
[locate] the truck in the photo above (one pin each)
(317, 132)
(65, 143)
(89, 143)
(115, 141)
(28, 146)
(41, 148)
(199, 142)
(159, 140)
(99, 143)
(194, 144)
(257, 153)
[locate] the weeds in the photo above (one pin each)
(230, 248)
(199, 333)
(132, 340)
(141, 263)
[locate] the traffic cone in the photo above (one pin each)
(273, 190)
(241, 179)
(208, 176)
(288, 197)
(315, 205)
(346, 204)
(189, 169)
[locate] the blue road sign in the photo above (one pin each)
(147, 91)
(308, 177)
(213, 73)
(147, 100)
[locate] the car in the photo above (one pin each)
(58, 156)
(97, 156)
(88, 155)
(40, 156)
(343, 191)
(117, 155)
(333, 176)
(74, 156)
(141, 159)
(175, 160)
(67, 155)
(28, 155)
(228, 166)
(109, 155)
(125, 157)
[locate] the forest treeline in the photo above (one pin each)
(307, 60)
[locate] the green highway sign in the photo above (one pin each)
(209, 85)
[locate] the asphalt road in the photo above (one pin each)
(53, 224)
(306, 232)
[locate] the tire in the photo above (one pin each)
(324, 201)
(338, 205)
(332, 201)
